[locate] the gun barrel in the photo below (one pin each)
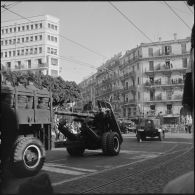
(75, 114)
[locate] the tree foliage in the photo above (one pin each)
(62, 91)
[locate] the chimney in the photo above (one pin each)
(160, 39)
(175, 36)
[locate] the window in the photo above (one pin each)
(1, 42)
(29, 63)
(23, 28)
(31, 50)
(36, 26)
(35, 50)
(2, 31)
(6, 42)
(169, 108)
(6, 30)
(22, 40)
(27, 39)
(49, 25)
(52, 38)
(8, 64)
(183, 48)
(10, 30)
(18, 52)
(18, 40)
(5, 54)
(26, 52)
(55, 27)
(27, 27)
(1, 54)
(151, 65)
(137, 66)
(152, 107)
(40, 49)
(14, 53)
(184, 62)
(48, 50)
(22, 52)
(51, 50)
(138, 80)
(18, 28)
(167, 50)
(40, 37)
(19, 64)
(31, 38)
(52, 26)
(55, 39)
(40, 25)
(10, 41)
(10, 53)
(14, 41)
(36, 38)
(55, 52)
(54, 73)
(39, 61)
(138, 95)
(54, 61)
(150, 52)
(14, 29)
(48, 37)
(31, 26)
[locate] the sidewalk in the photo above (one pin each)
(167, 135)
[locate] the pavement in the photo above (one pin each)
(167, 135)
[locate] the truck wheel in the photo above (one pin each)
(113, 143)
(28, 156)
(75, 151)
(104, 143)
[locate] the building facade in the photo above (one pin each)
(147, 80)
(31, 44)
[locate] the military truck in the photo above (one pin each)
(98, 130)
(34, 112)
(149, 127)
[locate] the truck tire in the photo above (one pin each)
(113, 144)
(75, 151)
(105, 143)
(28, 156)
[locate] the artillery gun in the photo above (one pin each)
(33, 108)
(98, 130)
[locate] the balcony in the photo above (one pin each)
(130, 88)
(165, 70)
(157, 83)
(159, 99)
(131, 74)
(130, 102)
(42, 65)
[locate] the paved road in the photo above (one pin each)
(139, 168)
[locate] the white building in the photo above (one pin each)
(31, 44)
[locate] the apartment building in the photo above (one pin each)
(146, 80)
(31, 44)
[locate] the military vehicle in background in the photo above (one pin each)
(149, 127)
(34, 112)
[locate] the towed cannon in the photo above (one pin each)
(98, 130)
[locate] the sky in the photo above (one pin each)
(99, 27)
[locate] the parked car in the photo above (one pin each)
(149, 127)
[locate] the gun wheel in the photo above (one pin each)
(113, 144)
